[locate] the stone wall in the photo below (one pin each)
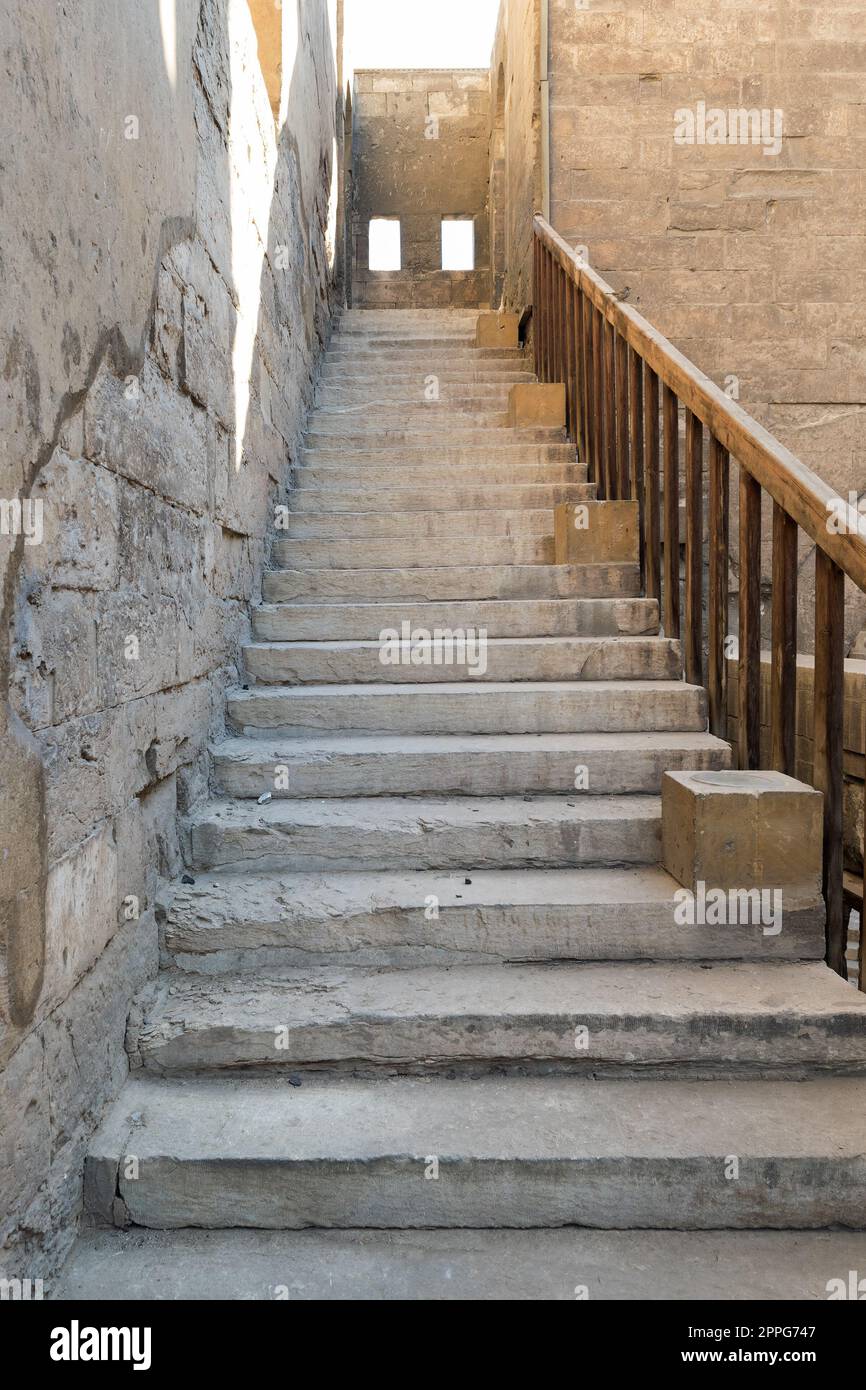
(167, 267)
(515, 150)
(420, 153)
(749, 257)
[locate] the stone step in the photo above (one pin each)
(444, 582)
(640, 1018)
(508, 1152)
(368, 374)
(551, 707)
(352, 436)
(471, 656)
(425, 355)
(500, 525)
(337, 622)
(433, 499)
(410, 551)
(229, 922)
(443, 477)
(446, 1266)
(443, 455)
(468, 765)
(353, 834)
(443, 417)
(480, 395)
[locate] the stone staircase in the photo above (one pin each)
(436, 980)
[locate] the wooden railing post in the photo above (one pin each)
(652, 498)
(719, 542)
(783, 686)
(749, 658)
(828, 711)
(694, 615)
(671, 430)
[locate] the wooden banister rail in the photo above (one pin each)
(626, 388)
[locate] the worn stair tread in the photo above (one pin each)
(425, 832)
(447, 707)
(525, 1266)
(349, 620)
(454, 582)
(761, 1014)
(509, 1152)
(479, 657)
(506, 914)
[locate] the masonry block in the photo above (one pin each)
(531, 405)
(498, 331)
(744, 830)
(596, 533)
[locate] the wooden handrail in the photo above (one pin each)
(626, 386)
(805, 497)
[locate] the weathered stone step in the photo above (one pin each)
(551, 707)
(468, 765)
(443, 417)
(245, 922)
(479, 395)
(505, 1152)
(443, 476)
(408, 551)
(471, 657)
(444, 582)
(433, 499)
(426, 833)
(525, 617)
(489, 523)
(639, 1017)
(355, 437)
(432, 1266)
(443, 454)
(424, 354)
(370, 375)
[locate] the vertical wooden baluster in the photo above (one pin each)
(652, 500)
(671, 420)
(580, 375)
(547, 339)
(611, 490)
(598, 402)
(635, 396)
(718, 543)
(622, 449)
(694, 614)
(749, 659)
(560, 323)
(827, 776)
(783, 687)
(570, 370)
(536, 309)
(558, 327)
(861, 954)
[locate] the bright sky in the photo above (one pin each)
(420, 33)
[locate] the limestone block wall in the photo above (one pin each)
(420, 153)
(749, 256)
(515, 150)
(168, 282)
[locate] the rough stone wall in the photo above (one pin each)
(516, 112)
(166, 259)
(420, 153)
(752, 263)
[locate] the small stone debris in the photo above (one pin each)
(190, 882)
(265, 798)
(295, 1081)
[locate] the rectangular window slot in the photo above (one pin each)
(458, 243)
(385, 244)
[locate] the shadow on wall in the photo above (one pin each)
(163, 346)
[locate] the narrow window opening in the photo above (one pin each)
(458, 243)
(385, 244)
